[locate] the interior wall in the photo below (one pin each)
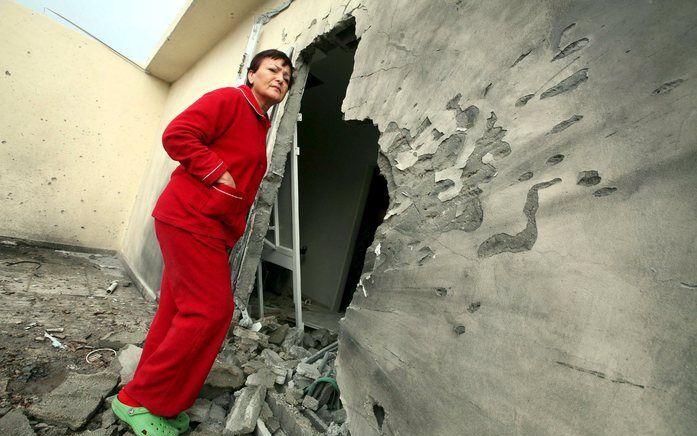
(335, 166)
(76, 132)
(218, 68)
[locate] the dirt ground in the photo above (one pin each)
(65, 295)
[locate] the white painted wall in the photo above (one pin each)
(77, 124)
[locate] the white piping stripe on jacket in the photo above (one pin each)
(214, 170)
(252, 104)
(227, 193)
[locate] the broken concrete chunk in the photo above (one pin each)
(217, 415)
(273, 424)
(337, 430)
(251, 335)
(298, 352)
(316, 421)
(200, 410)
(75, 400)
(222, 379)
(245, 412)
(16, 424)
(310, 403)
(208, 429)
(278, 335)
(128, 358)
(108, 418)
(292, 422)
(307, 370)
(265, 411)
(264, 377)
(293, 337)
(261, 429)
(222, 401)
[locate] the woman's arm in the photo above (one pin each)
(187, 137)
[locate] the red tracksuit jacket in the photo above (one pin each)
(225, 130)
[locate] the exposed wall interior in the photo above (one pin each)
(76, 133)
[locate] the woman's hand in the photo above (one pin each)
(226, 179)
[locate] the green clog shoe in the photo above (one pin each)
(142, 422)
(181, 422)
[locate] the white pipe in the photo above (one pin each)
(297, 294)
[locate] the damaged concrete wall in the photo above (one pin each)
(76, 130)
(536, 274)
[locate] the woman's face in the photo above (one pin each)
(270, 82)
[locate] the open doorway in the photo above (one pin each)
(342, 198)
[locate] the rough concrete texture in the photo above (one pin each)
(128, 358)
(15, 423)
(245, 412)
(576, 315)
(75, 400)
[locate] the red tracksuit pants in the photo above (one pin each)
(191, 322)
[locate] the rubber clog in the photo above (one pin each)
(141, 421)
(181, 422)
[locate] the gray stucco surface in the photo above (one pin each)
(536, 274)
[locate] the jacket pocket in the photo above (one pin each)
(224, 203)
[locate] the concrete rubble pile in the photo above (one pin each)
(275, 381)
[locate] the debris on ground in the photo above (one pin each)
(269, 379)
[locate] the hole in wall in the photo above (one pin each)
(343, 198)
(379, 413)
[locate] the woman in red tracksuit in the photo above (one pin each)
(220, 142)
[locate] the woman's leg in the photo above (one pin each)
(161, 323)
(169, 379)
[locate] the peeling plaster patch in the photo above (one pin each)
(453, 175)
(474, 307)
(604, 192)
(568, 84)
(406, 159)
(424, 255)
(571, 48)
(555, 159)
(667, 87)
(524, 240)
(563, 34)
(522, 101)
(521, 57)
(566, 124)
(441, 292)
(399, 209)
(525, 176)
(588, 178)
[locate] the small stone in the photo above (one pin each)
(264, 377)
(75, 400)
(15, 423)
(200, 410)
(128, 358)
(217, 415)
(311, 403)
(222, 379)
(273, 424)
(307, 370)
(265, 411)
(298, 352)
(108, 418)
(293, 337)
(277, 336)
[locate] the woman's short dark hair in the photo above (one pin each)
(270, 54)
